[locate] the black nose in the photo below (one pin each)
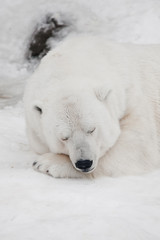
(83, 164)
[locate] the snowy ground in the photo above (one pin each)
(35, 206)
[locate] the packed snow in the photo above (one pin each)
(36, 206)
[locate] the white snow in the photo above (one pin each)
(36, 206)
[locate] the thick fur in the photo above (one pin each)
(90, 99)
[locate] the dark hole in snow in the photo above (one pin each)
(48, 29)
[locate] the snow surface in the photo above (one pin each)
(36, 206)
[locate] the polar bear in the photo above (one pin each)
(92, 108)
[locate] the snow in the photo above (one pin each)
(36, 206)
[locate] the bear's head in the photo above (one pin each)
(83, 125)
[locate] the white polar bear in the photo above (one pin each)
(94, 107)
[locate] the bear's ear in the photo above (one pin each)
(38, 107)
(102, 93)
(116, 100)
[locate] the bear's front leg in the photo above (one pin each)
(56, 165)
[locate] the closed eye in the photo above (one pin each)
(91, 131)
(65, 138)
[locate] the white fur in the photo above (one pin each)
(87, 83)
